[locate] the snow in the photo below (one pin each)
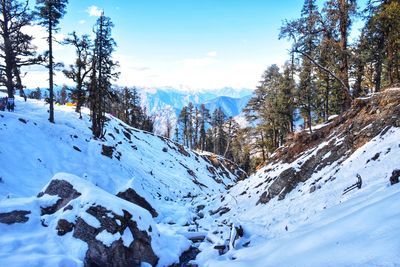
(322, 228)
(107, 238)
(127, 237)
(325, 228)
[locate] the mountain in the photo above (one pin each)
(326, 198)
(165, 103)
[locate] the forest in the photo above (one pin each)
(325, 70)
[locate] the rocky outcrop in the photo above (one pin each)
(124, 245)
(334, 143)
(223, 166)
(16, 216)
(131, 196)
(63, 190)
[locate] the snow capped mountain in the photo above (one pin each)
(165, 103)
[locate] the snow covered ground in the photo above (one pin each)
(314, 225)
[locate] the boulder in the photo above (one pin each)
(125, 244)
(394, 179)
(63, 190)
(15, 216)
(131, 196)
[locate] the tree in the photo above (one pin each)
(218, 133)
(382, 34)
(305, 32)
(103, 72)
(81, 69)
(203, 121)
(49, 13)
(340, 13)
(183, 119)
(16, 46)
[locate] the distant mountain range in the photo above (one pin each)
(165, 103)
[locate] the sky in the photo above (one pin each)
(185, 44)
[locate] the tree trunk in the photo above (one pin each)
(51, 90)
(344, 65)
(8, 52)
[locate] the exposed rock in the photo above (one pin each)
(186, 257)
(131, 196)
(182, 150)
(16, 216)
(64, 226)
(22, 120)
(107, 151)
(115, 255)
(63, 190)
(220, 210)
(165, 149)
(394, 179)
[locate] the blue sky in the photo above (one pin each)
(185, 44)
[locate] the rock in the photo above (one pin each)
(200, 207)
(16, 216)
(63, 227)
(116, 254)
(186, 257)
(63, 190)
(131, 196)
(107, 151)
(77, 148)
(264, 198)
(165, 149)
(394, 179)
(312, 189)
(22, 120)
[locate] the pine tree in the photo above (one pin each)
(16, 48)
(218, 133)
(183, 119)
(203, 121)
(81, 69)
(103, 72)
(340, 13)
(49, 13)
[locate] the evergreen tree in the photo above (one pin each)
(81, 69)
(204, 118)
(16, 47)
(103, 72)
(49, 13)
(218, 133)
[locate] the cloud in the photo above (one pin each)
(94, 11)
(212, 54)
(82, 21)
(209, 59)
(140, 68)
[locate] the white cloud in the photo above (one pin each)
(209, 59)
(191, 63)
(212, 54)
(94, 11)
(82, 21)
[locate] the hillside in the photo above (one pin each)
(69, 200)
(145, 169)
(308, 208)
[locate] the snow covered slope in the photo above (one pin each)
(148, 170)
(308, 208)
